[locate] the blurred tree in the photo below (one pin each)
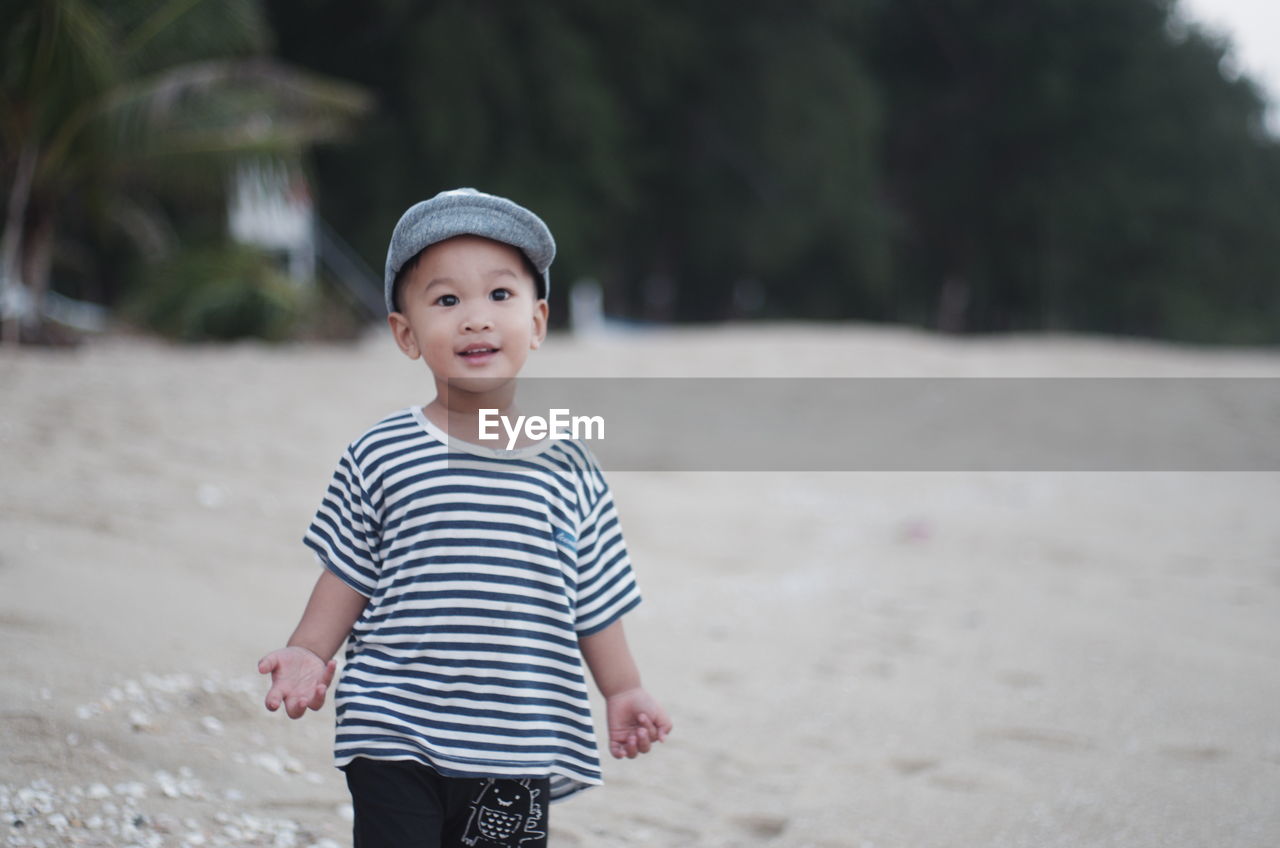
(1076, 164)
(680, 152)
(107, 107)
(754, 162)
(973, 164)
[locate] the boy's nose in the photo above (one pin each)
(477, 324)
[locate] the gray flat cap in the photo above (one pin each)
(465, 211)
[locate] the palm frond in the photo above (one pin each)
(63, 60)
(60, 65)
(175, 32)
(220, 107)
(230, 102)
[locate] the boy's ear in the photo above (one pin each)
(540, 312)
(403, 334)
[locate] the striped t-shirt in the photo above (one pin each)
(483, 568)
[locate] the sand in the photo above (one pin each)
(851, 659)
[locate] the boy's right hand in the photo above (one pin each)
(299, 679)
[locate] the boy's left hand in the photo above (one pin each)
(636, 722)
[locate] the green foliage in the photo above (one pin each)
(114, 113)
(672, 147)
(1061, 164)
(977, 164)
(219, 293)
(1079, 164)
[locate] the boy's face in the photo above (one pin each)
(470, 309)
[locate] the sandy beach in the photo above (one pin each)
(867, 659)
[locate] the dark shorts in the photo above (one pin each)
(403, 804)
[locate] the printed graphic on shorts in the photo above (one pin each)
(505, 814)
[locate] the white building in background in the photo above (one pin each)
(269, 205)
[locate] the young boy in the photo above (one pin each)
(469, 583)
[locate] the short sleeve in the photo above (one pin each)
(607, 589)
(345, 530)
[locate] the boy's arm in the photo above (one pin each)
(636, 719)
(302, 671)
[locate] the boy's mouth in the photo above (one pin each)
(478, 352)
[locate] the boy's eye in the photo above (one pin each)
(447, 300)
(500, 294)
